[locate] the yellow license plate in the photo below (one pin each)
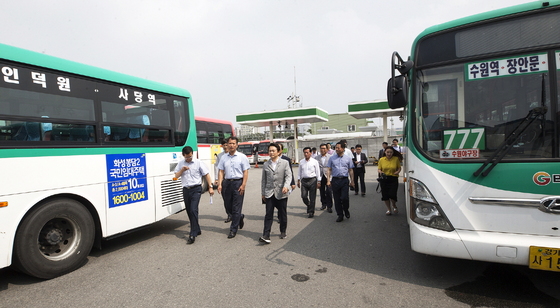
(544, 258)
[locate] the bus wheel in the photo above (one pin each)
(54, 239)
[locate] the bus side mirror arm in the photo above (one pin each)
(397, 88)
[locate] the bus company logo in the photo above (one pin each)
(542, 178)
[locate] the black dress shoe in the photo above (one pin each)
(241, 222)
(329, 210)
(347, 215)
(190, 240)
(228, 219)
(356, 193)
(264, 239)
(340, 218)
(199, 233)
(323, 208)
(231, 234)
(310, 215)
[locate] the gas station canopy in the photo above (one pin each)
(373, 109)
(283, 117)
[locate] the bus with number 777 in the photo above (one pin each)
(86, 154)
(482, 136)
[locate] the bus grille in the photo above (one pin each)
(171, 192)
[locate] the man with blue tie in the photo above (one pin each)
(232, 179)
(340, 167)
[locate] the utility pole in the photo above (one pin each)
(293, 99)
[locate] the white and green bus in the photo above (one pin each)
(482, 160)
(85, 154)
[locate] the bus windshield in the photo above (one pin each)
(467, 110)
(246, 149)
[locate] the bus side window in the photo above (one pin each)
(27, 131)
(119, 133)
(19, 132)
(136, 133)
(46, 128)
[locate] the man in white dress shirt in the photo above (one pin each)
(309, 178)
(191, 171)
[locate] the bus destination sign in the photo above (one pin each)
(526, 64)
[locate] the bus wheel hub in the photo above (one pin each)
(54, 236)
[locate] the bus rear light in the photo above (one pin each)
(3, 203)
(425, 209)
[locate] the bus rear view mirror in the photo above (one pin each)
(397, 88)
(397, 92)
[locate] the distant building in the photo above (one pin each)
(339, 123)
(245, 130)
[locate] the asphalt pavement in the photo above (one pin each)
(364, 261)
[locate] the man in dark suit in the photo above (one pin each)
(382, 151)
(283, 156)
(360, 160)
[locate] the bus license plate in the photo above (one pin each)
(544, 258)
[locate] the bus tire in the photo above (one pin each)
(54, 239)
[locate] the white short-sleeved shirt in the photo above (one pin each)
(193, 176)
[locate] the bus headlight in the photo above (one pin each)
(425, 209)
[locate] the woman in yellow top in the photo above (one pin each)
(390, 167)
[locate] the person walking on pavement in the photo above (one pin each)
(389, 168)
(396, 145)
(234, 172)
(314, 153)
(340, 167)
(382, 151)
(330, 151)
(324, 190)
(216, 175)
(309, 177)
(289, 160)
(347, 152)
(275, 186)
(191, 171)
(360, 160)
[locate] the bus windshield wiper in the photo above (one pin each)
(510, 140)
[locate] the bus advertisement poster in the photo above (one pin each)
(126, 178)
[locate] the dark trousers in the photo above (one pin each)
(309, 193)
(340, 194)
(282, 207)
(233, 202)
(359, 173)
(326, 193)
(228, 212)
(192, 198)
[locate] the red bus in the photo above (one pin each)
(209, 133)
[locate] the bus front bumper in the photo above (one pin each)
(486, 246)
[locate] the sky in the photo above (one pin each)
(238, 56)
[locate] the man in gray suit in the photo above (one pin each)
(324, 190)
(275, 183)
